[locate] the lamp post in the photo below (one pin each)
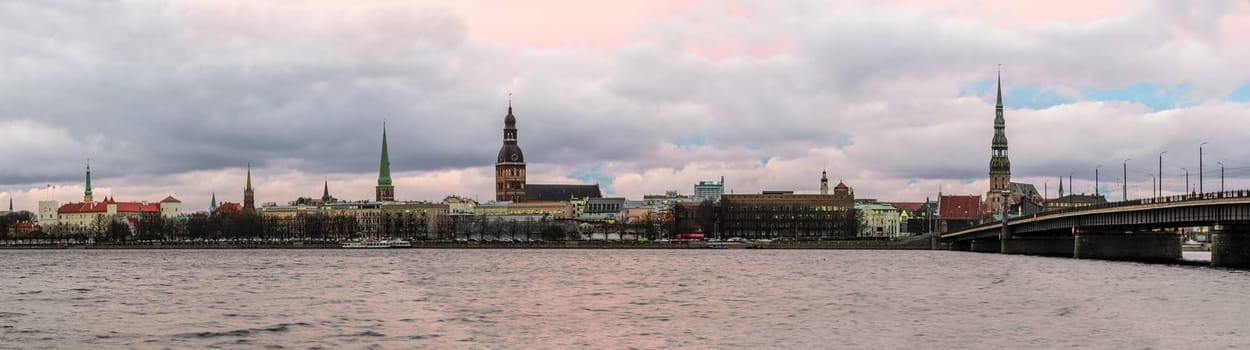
(1186, 180)
(1096, 180)
(1126, 178)
(1154, 189)
(1221, 175)
(1071, 189)
(1160, 192)
(1200, 166)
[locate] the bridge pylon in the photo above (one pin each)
(1230, 246)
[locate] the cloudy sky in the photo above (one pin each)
(893, 97)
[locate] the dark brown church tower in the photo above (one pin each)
(249, 196)
(510, 167)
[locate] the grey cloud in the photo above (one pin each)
(151, 90)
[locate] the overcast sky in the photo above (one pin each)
(896, 98)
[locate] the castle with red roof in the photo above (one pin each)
(89, 212)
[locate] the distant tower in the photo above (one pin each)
(10, 204)
(325, 192)
(249, 199)
(510, 167)
(212, 206)
(86, 195)
(824, 183)
(1061, 186)
(1000, 165)
(385, 192)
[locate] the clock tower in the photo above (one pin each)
(510, 166)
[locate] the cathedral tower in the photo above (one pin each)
(510, 166)
(385, 190)
(1000, 165)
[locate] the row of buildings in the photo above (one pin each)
(767, 214)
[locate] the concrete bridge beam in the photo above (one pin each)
(986, 246)
(962, 246)
(1134, 246)
(1062, 246)
(1230, 246)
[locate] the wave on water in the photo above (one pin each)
(278, 328)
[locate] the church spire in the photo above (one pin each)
(325, 192)
(1000, 164)
(249, 199)
(1061, 186)
(999, 106)
(385, 191)
(86, 195)
(212, 205)
(384, 166)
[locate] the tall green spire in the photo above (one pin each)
(86, 195)
(384, 168)
(212, 206)
(385, 192)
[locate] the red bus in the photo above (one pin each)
(689, 236)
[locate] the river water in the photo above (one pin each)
(610, 299)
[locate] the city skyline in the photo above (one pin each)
(665, 95)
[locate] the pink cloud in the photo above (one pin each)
(546, 24)
(1021, 13)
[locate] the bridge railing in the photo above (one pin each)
(1142, 201)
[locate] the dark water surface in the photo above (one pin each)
(610, 299)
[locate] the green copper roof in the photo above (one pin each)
(384, 168)
(88, 191)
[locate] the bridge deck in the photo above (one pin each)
(1176, 210)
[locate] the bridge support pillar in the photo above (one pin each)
(1136, 246)
(1230, 246)
(1043, 246)
(986, 246)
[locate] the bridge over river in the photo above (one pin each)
(1144, 230)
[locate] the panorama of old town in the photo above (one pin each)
(536, 213)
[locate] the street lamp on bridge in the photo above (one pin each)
(1200, 166)
(1154, 189)
(1221, 175)
(1160, 185)
(1096, 180)
(1186, 180)
(1071, 189)
(1126, 178)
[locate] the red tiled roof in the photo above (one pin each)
(227, 207)
(170, 199)
(959, 207)
(840, 185)
(103, 207)
(908, 206)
